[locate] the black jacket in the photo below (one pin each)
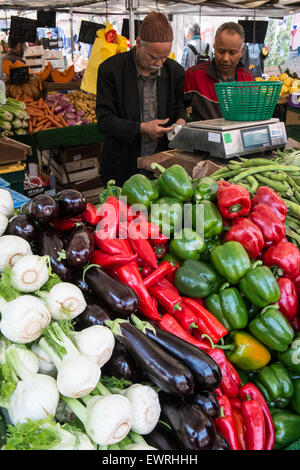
(118, 112)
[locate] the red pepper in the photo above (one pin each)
(236, 405)
(109, 213)
(296, 282)
(230, 383)
(254, 424)
(233, 200)
(91, 214)
(288, 302)
(111, 36)
(248, 234)
(114, 246)
(63, 224)
(295, 323)
(187, 318)
(250, 390)
(139, 244)
(168, 323)
(167, 295)
(272, 228)
(146, 271)
(225, 423)
(164, 268)
(111, 261)
(171, 275)
(286, 257)
(160, 251)
(199, 301)
(267, 196)
(207, 323)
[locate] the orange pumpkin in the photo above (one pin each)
(65, 76)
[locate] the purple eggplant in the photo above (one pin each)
(43, 208)
(70, 203)
(95, 313)
(51, 242)
(22, 226)
(161, 368)
(119, 298)
(121, 365)
(194, 428)
(208, 402)
(80, 247)
(221, 443)
(162, 438)
(79, 282)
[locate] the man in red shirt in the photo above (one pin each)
(199, 89)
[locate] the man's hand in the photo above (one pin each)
(154, 129)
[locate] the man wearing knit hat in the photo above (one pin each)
(139, 99)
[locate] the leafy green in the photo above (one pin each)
(113, 382)
(8, 383)
(31, 435)
(51, 334)
(7, 291)
(125, 442)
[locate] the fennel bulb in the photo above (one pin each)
(35, 397)
(30, 273)
(64, 301)
(12, 248)
(139, 447)
(96, 342)
(23, 318)
(145, 407)
(3, 223)
(46, 366)
(29, 359)
(6, 203)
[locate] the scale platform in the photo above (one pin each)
(228, 139)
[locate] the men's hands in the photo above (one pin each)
(154, 129)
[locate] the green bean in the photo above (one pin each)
(290, 219)
(261, 169)
(234, 167)
(290, 233)
(280, 176)
(235, 162)
(228, 174)
(276, 185)
(253, 183)
(247, 163)
(293, 199)
(293, 208)
(245, 185)
(219, 172)
(297, 196)
(293, 183)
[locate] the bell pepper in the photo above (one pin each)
(228, 307)
(167, 213)
(249, 390)
(267, 196)
(252, 310)
(285, 256)
(291, 357)
(91, 214)
(225, 423)
(206, 219)
(296, 282)
(174, 182)
(167, 295)
(275, 384)
(160, 251)
(247, 353)
(140, 190)
(231, 381)
(187, 244)
(272, 329)
(288, 302)
(231, 261)
(205, 189)
(295, 400)
(210, 244)
(233, 200)
(287, 427)
(271, 227)
(110, 190)
(248, 234)
(255, 432)
(197, 279)
(260, 286)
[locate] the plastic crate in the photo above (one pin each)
(4, 184)
(14, 175)
(248, 101)
(19, 199)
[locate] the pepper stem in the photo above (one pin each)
(212, 344)
(177, 307)
(157, 166)
(224, 286)
(235, 208)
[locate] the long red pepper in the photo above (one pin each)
(225, 423)
(138, 243)
(91, 214)
(168, 323)
(187, 318)
(236, 405)
(167, 295)
(114, 246)
(254, 424)
(111, 261)
(229, 384)
(109, 213)
(207, 323)
(164, 268)
(254, 393)
(171, 275)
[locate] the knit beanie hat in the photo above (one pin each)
(156, 28)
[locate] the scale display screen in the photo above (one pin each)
(256, 138)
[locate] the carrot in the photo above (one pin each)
(47, 125)
(30, 126)
(63, 120)
(38, 128)
(34, 121)
(54, 121)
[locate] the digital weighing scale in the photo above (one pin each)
(228, 139)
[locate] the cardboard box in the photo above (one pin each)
(291, 143)
(13, 151)
(64, 175)
(73, 154)
(292, 117)
(168, 158)
(205, 168)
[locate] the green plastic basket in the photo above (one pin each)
(248, 101)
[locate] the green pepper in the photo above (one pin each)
(291, 357)
(287, 427)
(210, 243)
(231, 260)
(252, 309)
(140, 190)
(275, 384)
(228, 307)
(272, 329)
(167, 212)
(206, 219)
(197, 279)
(259, 285)
(295, 400)
(110, 190)
(247, 353)
(174, 182)
(172, 259)
(205, 189)
(187, 244)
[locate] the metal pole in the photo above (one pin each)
(71, 32)
(131, 25)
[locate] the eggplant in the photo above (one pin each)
(95, 313)
(22, 226)
(119, 298)
(208, 402)
(194, 429)
(161, 368)
(221, 443)
(78, 280)
(206, 372)
(162, 438)
(70, 203)
(43, 208)
(80, 247)
(51, 242)
(120, 365)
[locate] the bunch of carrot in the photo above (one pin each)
(42, 116)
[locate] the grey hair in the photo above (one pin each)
(192, 28)
(233, 27)
(143, 43)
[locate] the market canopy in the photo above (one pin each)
(271, 8)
